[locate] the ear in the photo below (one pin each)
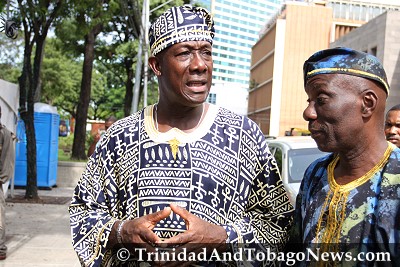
(369, 103)
(155, 65)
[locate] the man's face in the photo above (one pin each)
(392, 127)
(333, 111)
(186, 72)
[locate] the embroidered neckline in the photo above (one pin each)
(335, 203)
(175, 137)
(359, 181)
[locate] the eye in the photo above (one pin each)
(321, 100)
(184, 53)
(207, 52)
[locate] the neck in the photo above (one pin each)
(186, 119)
(358, 162)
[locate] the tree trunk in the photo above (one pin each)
(26, 112)
(78, 147)
(31, 181)
(37, 25)
(40, 43)
(128, 87)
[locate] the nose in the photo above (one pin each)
(394, 130)
(309, 113)
(198, 63)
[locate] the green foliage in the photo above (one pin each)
(65, 142)
(10, 58)
(9, 73)
(65, 146)
(61, 77)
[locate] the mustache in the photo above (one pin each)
(316, 128)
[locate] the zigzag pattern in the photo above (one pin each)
(222, 178)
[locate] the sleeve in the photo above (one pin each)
(93, 209)
(7, 157)
(268, 214)
(295, 243)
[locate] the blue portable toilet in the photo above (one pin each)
(46, 121)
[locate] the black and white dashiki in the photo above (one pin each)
(221, 172)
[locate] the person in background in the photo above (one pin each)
(349, 200)
(62, 129)
(7, 162)
(108, 122)
(392, 125)
(181, 174)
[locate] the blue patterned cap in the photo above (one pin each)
(181, 24)
(346, 61)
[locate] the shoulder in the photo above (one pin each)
(126, 124)
(224, 112)
(395, 154)
(393, 165)
(317, 169)
(232, 117)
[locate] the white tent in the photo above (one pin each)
(9, 102)
(9, 98)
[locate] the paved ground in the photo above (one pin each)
(38, 234)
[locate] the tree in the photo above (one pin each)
(36, 18)
(126, 28)
(90, 17)
(10, 58)
(62, 75)
(62, 78)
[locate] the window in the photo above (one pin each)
(277, 153)
(373, 51)
(212, 98)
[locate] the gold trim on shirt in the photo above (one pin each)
(329, 225)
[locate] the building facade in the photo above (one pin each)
(237, 26)
(276, 96)
(380, 37)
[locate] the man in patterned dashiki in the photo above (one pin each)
(349, 201)
(392, 125)
(181, 174)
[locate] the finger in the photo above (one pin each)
(181, 211)
(174, 241)
(159, 215)
(150, 238)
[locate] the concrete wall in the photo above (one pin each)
(381, 34)
(68, 173)
(9, 102)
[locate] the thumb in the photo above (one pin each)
(159, 215)
(180, 211)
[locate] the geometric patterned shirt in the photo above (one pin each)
(221, 172)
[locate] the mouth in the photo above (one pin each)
(315, 133)
(196, 83)
(393, 139)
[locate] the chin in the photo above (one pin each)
(324, 146)
(395, 142)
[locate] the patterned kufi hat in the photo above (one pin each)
(181, 24)
(345, 61)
